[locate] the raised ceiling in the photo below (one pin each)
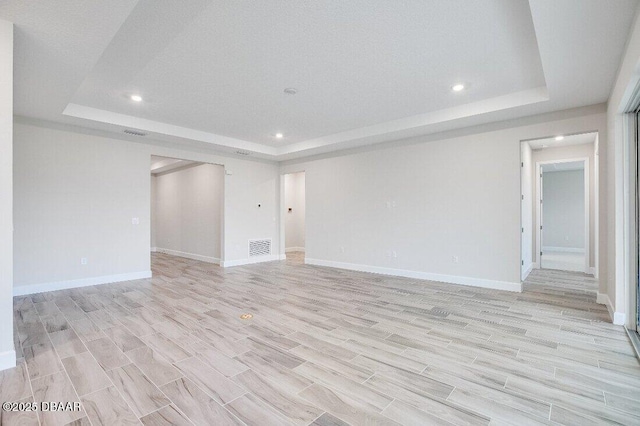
(551, 142)
(212, 73)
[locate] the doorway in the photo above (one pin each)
(187, 207)
(564, 215)
(294, 216)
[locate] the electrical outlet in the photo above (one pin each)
(394, 254)
(83, 261)
(455, 259)
(135, 221)
(341, 249)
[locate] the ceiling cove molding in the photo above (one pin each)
(94, 114)
(363, 135)
(512, 100)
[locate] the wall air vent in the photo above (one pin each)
(134, 132)
(240, 152)
(259, 247)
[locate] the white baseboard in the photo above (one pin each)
(192, 256)
(83, 282)
(451, 279)
(617, 318)
(563, 249)
(259, 259)
(7, 359)
(154, 249)
(591, 271)
(527, 271)
(290, 249)
(536, 265)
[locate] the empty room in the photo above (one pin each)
(319, 212)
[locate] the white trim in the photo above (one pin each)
(154, 249)
(527, 271)
(587, 207)
(536, 265)
(564, 249)
(192, 256)
(258, 259)
(617, 318)
(451, 279)
(22, 290)
(7, 359)
(283, 256)
(290, 249)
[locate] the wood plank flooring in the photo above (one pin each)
(324, 347)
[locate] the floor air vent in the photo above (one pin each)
(259, 247)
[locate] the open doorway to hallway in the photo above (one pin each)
(294, 216)
(559, 213)
(187, 207)
(564, 215)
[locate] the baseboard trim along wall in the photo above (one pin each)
(563, 249)
(258, 259)
(617, 318)
(83, 282)
(192, 256)
(290, 249)
(7, 359)
(450, 279)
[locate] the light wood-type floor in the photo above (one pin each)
(324, 347)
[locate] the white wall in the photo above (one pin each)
(153, 210)
(7, 351)
(563, 210)
(189, 211)
(617, 294)
(75, 197)
(76, 193)
(526, 177)
(294, 195)
(416, 206)
(567, 153)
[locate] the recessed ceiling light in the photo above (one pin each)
(279, 135)
(559, 138)
(290, 90)
(136, 98)
(458, 87)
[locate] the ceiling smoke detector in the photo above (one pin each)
(134, 132)
(290, 90)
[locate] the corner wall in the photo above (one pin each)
(620, 277)
(7, 349)
(76, 194)
(188, 212)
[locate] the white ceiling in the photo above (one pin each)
(212, 73)
(164, 164)
(563, 167)
(551, 142)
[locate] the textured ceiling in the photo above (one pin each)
(580, 139)
(212, 73)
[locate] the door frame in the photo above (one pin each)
(587, 202)
(283, 212)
